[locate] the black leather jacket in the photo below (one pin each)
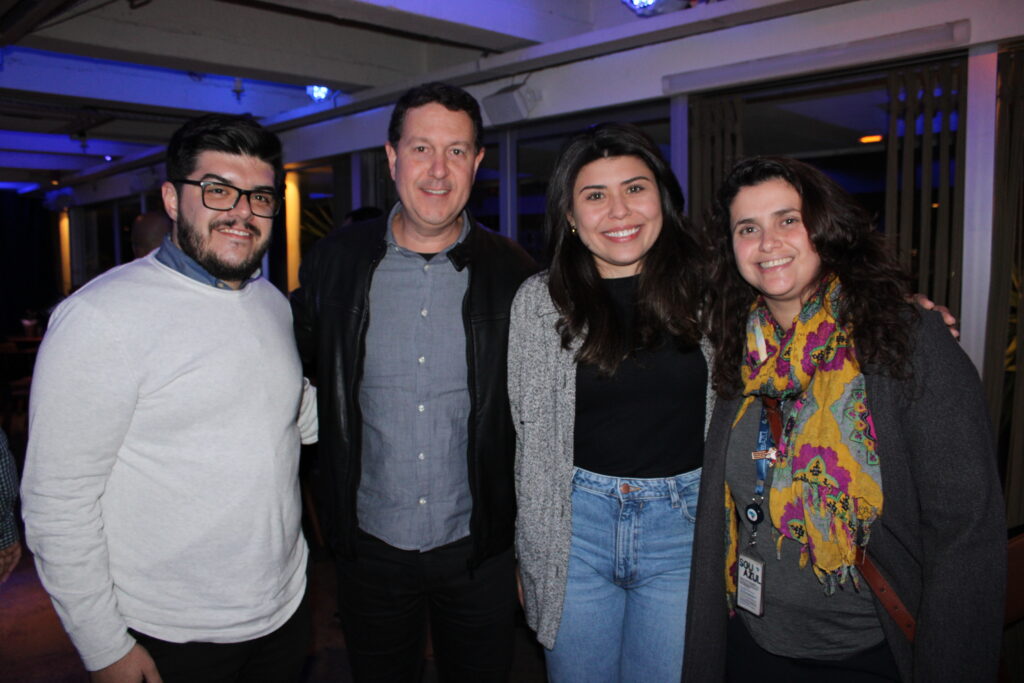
(331, 310)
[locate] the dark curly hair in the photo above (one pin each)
(875, 286)
(668, 288)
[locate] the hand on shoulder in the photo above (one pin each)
(947, 317)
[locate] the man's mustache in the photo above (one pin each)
(234, 222)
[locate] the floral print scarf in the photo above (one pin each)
(827, 484)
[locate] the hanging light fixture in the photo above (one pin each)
(318, 93)
(650, 8)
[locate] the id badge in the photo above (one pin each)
(750, 587)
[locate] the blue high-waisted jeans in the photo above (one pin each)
(624, 616)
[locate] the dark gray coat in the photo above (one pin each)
(941, 539)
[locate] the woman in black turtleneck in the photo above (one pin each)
(608, 386)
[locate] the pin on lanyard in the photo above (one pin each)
(768, 434)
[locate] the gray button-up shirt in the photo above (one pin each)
(414, 490)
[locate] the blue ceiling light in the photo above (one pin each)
(318, 93)
(20, 188)
(650, 8)
(639, 6)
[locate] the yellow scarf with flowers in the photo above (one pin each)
(827, 483)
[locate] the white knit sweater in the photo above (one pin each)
(160, 490)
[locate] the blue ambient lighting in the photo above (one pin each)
(20, 188)
(649, 8)
(318, 93)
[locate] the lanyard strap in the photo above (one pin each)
(772, 406)
(769, 434)
(764, 442)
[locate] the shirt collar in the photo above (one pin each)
(171, 255)
(389, 235)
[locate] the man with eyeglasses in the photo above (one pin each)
(160, 493)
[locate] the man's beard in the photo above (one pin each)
(191, 242)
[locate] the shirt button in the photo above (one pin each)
(421, 407)
(421, 360)
(426, 266)
(421, 456)
(423, 313)
(423, 501)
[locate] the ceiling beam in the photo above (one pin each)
(672, 26)
(62, 162)
(496, 25)
(384, 29)
(21, 17)
(18, 141)
(22, 175)
(207, 37)
(106, 83)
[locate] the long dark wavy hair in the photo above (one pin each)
(874, 285)
(668, 287)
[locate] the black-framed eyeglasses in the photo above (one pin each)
(223, 197)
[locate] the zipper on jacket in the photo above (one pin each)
(474, 520)
(356, 463)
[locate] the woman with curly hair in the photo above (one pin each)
(608, 387)
(851, 454)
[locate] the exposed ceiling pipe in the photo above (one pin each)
(21, 17)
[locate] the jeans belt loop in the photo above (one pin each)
(673, 492)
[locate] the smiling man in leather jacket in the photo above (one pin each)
(404, 320)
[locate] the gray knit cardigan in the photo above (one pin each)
(542, 393)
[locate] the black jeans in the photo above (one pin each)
(277, 657)
(747, 661)
(387, 595)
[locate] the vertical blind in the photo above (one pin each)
(1004, 351)
(924, 175)
(716, 143)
